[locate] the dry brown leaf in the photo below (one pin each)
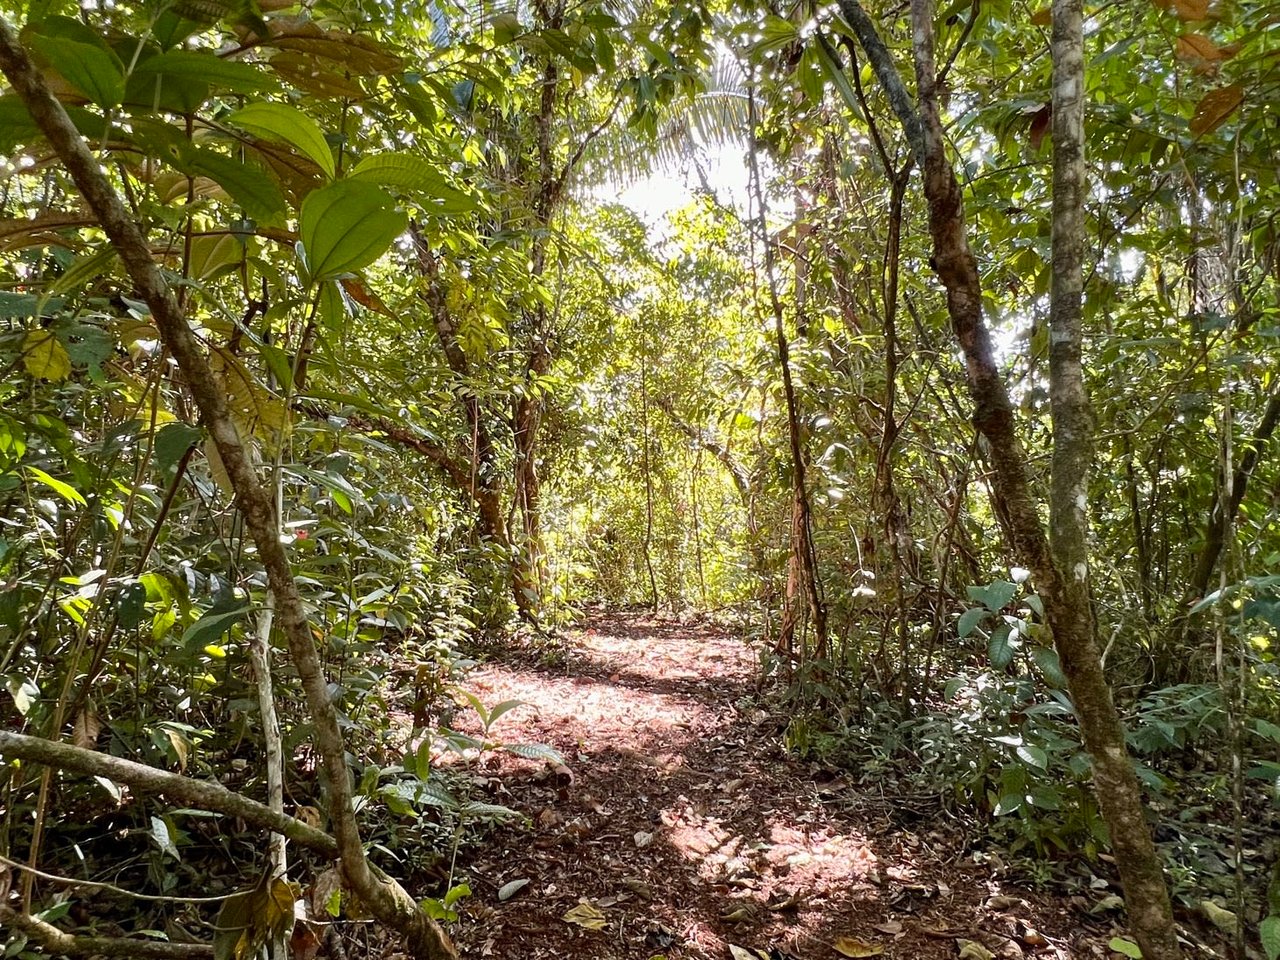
(853, 947)
(1191, 9)
(84, 732)
(1195, 46)
(1215, 107)
(1042, 17)
(1040, 126)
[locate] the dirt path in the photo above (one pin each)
(686, 829)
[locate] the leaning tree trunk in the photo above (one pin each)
(384, 898)
(1064, 591)
(1072, 620)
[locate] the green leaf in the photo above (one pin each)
(92, 69)
(969, 621)
(1001, 646)
(276, 121)
(1269, 934)
(1009, 803)
(346, 226)
(235, 76)
(173, 440)
(216, 621)
(1046, 659)
(995, 596)
(1033, 756)
(64, 490)
(411, 174)
(1125, 946)
(249, 186)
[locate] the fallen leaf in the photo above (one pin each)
(852, 947)
(586, 916)
(890, 927)
(973, 950)
(742, 953)
(1107, 903)
(643, 839)
(509, 890)
(641, 889)
(1220, 917)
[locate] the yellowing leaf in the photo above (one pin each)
(587, 916)
(1215, 107)
(44, 356)
(1042, 17)
(742, 953)
(973, 950)
(216, 469)
(852, 947)
(64, 490)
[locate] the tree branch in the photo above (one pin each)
(68, 945)
(199, 794)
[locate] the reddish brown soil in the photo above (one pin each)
(688, 828)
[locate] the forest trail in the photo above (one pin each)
(685, 828)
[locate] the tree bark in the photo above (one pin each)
(1063, 591)
(1072, 618)
(199, 794)
(385, 898)
(63, 944)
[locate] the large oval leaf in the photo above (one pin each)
(413, 175)
(94, 71)
(347, 226)
(276, 121)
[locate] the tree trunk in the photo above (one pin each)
(384, 898)
(1065, 593)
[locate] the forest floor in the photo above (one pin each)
(682, 829)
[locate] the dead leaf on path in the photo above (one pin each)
(742, 953)
(643, 839)
(586, 916)
(890, 927)
(973, 950)
(641, 889)
(509, 890)
(852, 947)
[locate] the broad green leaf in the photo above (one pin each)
(248, 185)
(89, 67)
(172, 442)
(215, 621)
(276, 121)
(44, 357)
(1269, 934)
(411, 174)
(346, 226)
(1033, 756)
(969, 621)
(64, 490)
(206, 67)
(995, 596)
(1001, 646)
(1046, 660)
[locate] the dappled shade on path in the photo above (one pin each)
(684, 828)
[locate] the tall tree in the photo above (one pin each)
(1063, 589)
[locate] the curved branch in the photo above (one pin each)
(69, 945)
(199, 794)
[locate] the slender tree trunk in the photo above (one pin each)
(383, 897)
(1064, 591)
